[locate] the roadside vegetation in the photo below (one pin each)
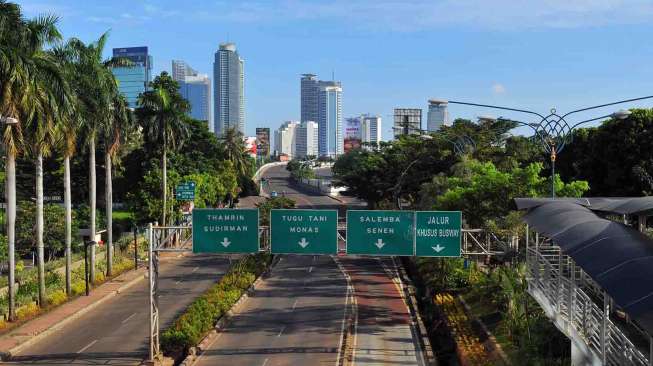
(479, 168)
(74, 148)
(201, 316)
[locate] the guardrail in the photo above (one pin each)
(582, 308)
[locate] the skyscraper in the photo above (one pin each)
(306, 139)
(309, 90)
(407, 121)
(437, 115)
(329, 119)
(133, 80)
(371, 129)
(229, 89)
(180, 69)
(197, 90)
(194, 87)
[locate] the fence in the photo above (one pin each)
(583, 309)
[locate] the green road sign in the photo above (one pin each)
(304, 231)
(185, 191)
(225, 230)
(380, 232)
(437, 233)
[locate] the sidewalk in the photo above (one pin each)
(44, 324)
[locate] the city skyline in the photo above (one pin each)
(469, 63)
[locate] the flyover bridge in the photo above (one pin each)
(593, 276)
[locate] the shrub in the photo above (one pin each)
(200, 317)
(57, 298)
(27, 311)
(78, 287)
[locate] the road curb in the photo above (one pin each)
(223, 322)
(409, 294)
(37, 337)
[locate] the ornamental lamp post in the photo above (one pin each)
(553, 130)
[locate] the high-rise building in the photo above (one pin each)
(197, 90)
(329, 119)
(180, 69)
(285, 138)
(438, 115)
(371, 129)
(306, 139)
(229, 89)
(194, 87)
(407, 121)
(135, 79)
(309, 90)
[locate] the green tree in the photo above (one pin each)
(161, 114)
(33, 92)
(115, 129)
(485, 193)
(95, 87)
(614, 157)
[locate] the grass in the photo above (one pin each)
(122, 215)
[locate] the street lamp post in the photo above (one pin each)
(553, 130)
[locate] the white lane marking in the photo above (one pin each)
(281, 331)
(178, 282)
(87, 346)
(265, 362)
(314, 258)
(129, 317)
(295, 304)
(310, 269)
(350, 298)
(195, 269)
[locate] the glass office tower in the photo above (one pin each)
(135, 79)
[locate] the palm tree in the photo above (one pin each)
(67, 134)
(118, 123)
(33, 90)
(162, 112)
(95, 84)
(234, 150)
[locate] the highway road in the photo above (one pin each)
(296, 316)
(116, 332)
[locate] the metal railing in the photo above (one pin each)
(581, 305)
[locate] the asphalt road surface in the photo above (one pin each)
(296, 316)
(116, 332)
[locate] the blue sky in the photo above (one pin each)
(533, 54)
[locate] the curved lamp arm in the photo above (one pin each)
(606, 105)
(497, 107)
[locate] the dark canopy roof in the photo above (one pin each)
(616, 205)
(619, 258)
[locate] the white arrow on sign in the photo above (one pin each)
(379, 243)
(438, 248)
(225, 242)
(303, 243)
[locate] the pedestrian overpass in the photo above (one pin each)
(592, 273)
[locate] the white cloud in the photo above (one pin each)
(498, 88)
